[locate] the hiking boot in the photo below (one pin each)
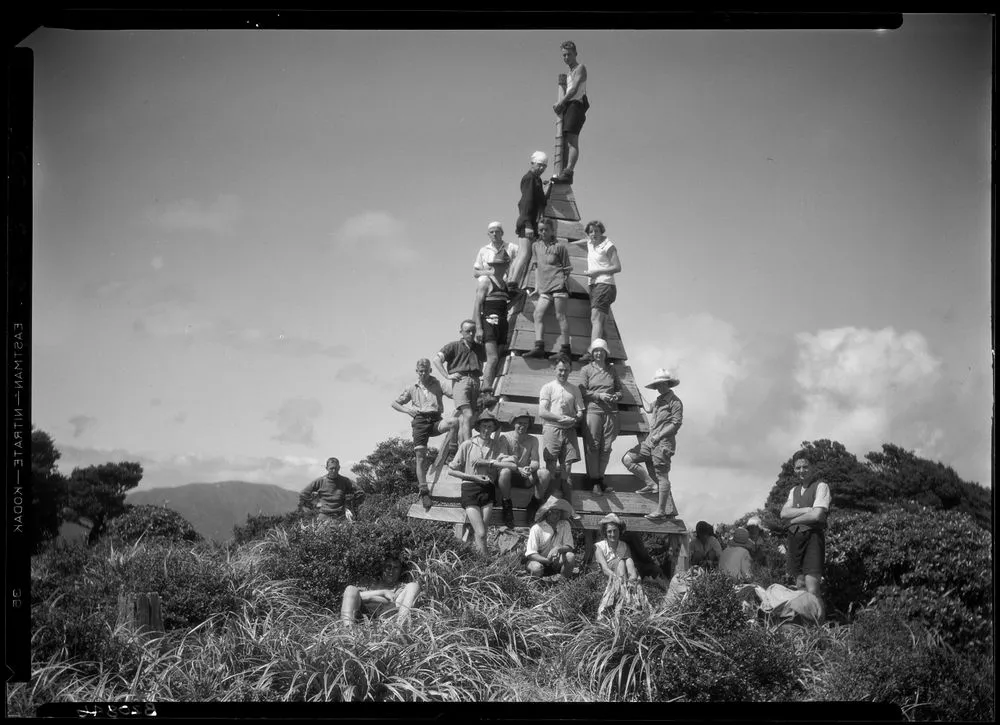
(563, 350)
(658, 516)
(531, 509)
(538, 351)
(425, 499)
(597, 490)
(508, 513)
(647, 489)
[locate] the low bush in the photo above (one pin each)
(147, 522)
(717, 610)
(257, 526)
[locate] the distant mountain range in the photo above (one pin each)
(214, 508)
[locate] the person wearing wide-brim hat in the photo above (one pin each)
(614, 558)
(528, 473)
(601, 389)
(650, 460)
(489, 311)
(549, 549)
(477, 463)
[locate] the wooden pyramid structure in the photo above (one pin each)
(520, 379)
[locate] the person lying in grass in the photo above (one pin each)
(615, 559)
(384, 598)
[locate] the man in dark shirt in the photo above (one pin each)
(464, 358)
(331, 493)
(529, 209)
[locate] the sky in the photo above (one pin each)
(244, 239)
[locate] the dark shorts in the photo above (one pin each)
(424, 428)
(602, 295)
(547, 569)
(477, 494)
(523, 223)
(495, 321)
(806, 552)
(519, 481)
(574, 116)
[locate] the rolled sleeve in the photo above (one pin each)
(822, 499)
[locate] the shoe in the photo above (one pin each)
(576, 517)
(512, 287)
(538, 351)
(425, 499)
(508, 513)
(563, 350)
(531, 509)
(647, 489)
(596, 490)
(657, 516)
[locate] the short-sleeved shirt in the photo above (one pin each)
(478, 448)
(701, 550)
(563, 399)
(462, 358)
(524, 452)
(553, 266)
(612, 557)
(595, 379)
(667, 409)
(426, 399)
(599, 256)
(542, 539)
(485, 255)
(331, 494)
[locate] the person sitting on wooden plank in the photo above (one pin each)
(650, 460)
(552, 270)
(601, 389)
(484, 258)
(549, 549)
(477, 464)
(705, 547)
(490, 313)
(528, 474)
(530, 208)
(573, 108)
(382, 599)
(422, 401)
(602, 265)
(464, 358)
(332, 491)
(560, 406)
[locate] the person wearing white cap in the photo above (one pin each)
(650, 460)
(484, 258)
(530, 208)
(756, 532)
(601, 389)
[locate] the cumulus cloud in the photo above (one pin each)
(255, 339)
(379, 234)
(218, 217)
(157, 263)
(294, 420)
(361, 373)
(81, 423)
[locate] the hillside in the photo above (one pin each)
(214, 508)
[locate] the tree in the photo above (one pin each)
(97, 493)
(389, 469)
(48, 490)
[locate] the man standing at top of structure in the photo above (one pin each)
(573, 108)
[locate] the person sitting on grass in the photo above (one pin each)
(550, 550)
(735, 560)
(614, 558)
(756, 533)
(383, 599)
(705, 548)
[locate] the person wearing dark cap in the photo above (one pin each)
(490, 313)
(573, 108)
(477, 463)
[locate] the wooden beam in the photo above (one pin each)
(456, 515)
(569, 230)
(524, 340)
(559, 158)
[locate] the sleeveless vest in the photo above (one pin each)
(805, 499)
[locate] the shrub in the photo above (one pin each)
(717, 609)
(578, 598)
(151, 522)
(258, 525)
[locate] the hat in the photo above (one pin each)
(663, 376)
(486, 415)
(741, 537)
(494, 225)
(539, 157)
(500, 257)
(611, 518)
(554, 503)
(754, 521)
(598, 344)
(523, 413)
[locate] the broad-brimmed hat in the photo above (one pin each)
(524, 413)
(612, 518)
(485, 415)
(754, 521)
(741, 537)
(554, 503)
(599, 344)
(663, 376)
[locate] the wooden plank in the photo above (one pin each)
(562, 209)
(570, 230)
(524, 377)
(524, 340)
(578, 326)
(618, 502)
(639, 523)
(561, 192)
(578, 249)
(456, 515)
(631, 421)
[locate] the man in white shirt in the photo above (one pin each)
(549, 549)
(602, 265)
(806, 511)
(561, 408)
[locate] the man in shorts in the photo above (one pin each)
(528, 474)
(602, 265)
(490, 313)
(382, 599)
(573, 108)
(552, 270)
(484, 257)
(806, 511)
(478, 463)
(650, 460)
(464, 358)
(422, 401)
(561, 408)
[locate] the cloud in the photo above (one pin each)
(180, 417)
(295, 420)
(155, 402)
(378, 234)
(218, 217)
(81, 423)
(361, 373)
(255, 339)
(156, 263)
